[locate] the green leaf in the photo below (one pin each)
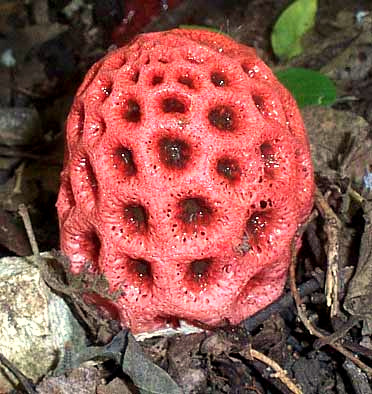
(199, 27)
(308, 87)
(147, 376)
(292, 24)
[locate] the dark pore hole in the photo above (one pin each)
(229, 168)
(268, 156)
(218, 79)
(135, 77)
(80, 112)
(199, 268)
(259, 102)
(94, 239)
(173, 104)
(136, 216)
(263, 204)
(157, 80)
(90, 177)
(186, 80)
(195, 211)
(262, 105)
(69, 193)
(107, 89)
(98, 128)
(124, 157)
(174, 153)
(256, 225)
(141, 267)
(249, 69)
(222, 117)
(133, 112)
(94, 248)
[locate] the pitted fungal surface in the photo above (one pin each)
(183, 181)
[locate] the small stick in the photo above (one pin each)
(280, 373)
(356, 196)
(301, 310)
(332, 228)
(358, 349)
(18, 178)
(23, 211)
(23, 380)
(339, 334)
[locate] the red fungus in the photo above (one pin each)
(187, 173)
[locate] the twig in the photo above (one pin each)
(301, 310)
(332, 227)
(339, 334)
(30, 232)
(356, 348)
(18, 178)
(292, 279)
(279, 372)
(23, 380)
(355, 195)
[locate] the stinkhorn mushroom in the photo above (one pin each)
(187, 173)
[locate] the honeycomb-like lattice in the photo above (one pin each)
(187, 173)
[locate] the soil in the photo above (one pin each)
(46, 47)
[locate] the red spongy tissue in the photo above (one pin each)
(187, 173)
